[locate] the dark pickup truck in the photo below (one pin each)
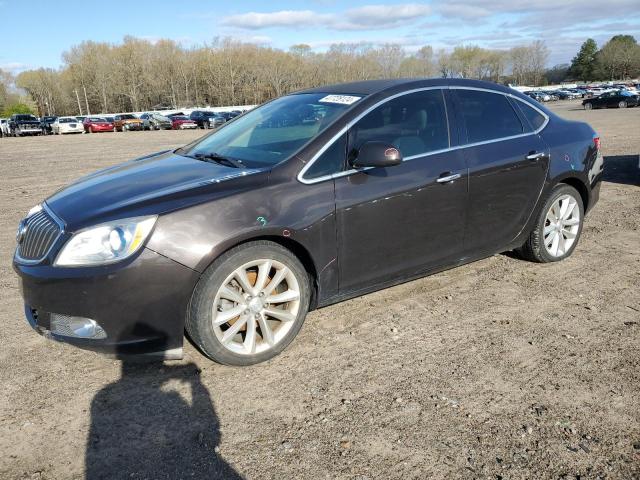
(24, 124)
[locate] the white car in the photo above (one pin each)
(4, 127)
(66, 125)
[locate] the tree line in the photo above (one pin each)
(138, 74)
(618, 59)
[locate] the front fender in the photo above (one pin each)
(288, 212)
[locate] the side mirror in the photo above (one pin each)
(377, 154)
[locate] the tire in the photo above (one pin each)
(588, 106)
(622, 104)
(536, 248)
(207, 298)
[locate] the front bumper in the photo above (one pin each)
(133, 126)
(28, 130)
(140, 303)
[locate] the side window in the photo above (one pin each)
(487, 116)
(331, 161)
(415, 123)
(535, 118)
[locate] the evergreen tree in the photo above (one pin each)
(584, 63)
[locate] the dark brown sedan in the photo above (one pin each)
(308, 200)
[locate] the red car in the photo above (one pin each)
(180, 122)
(97, 124)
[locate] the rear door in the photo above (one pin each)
(507, 163)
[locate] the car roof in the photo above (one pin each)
(369, 87)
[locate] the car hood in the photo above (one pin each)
(149, 185)
(132, 120)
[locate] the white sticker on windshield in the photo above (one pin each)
(342, 99)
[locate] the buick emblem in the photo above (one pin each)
(22, 231)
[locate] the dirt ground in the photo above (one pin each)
(498, 369)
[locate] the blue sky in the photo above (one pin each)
(51, 27)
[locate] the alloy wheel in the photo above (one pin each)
(256, 306)
(561, 226)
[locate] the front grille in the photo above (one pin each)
(41, 231)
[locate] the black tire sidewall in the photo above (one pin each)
(199, 321)
(559, 190)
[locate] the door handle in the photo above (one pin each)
(448, 178)
(534, 156)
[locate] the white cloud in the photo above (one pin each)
(370, 17)
(465, 11)
(283, 18)
(376, 15)
(14, 67)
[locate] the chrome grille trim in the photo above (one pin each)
(43, 230)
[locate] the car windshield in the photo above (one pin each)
(25, 117)
(67, 120)
(180, 117)
(127, 117)
(273, 132)
(97, 120)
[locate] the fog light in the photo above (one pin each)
(76, 327)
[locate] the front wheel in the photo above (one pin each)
(558, 227)
(249, 305)
(588, 106)
(622, 104)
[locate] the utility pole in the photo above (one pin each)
(78, 98)
(86, 101)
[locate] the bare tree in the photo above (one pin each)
(138, 75)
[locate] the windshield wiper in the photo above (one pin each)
(220, 159)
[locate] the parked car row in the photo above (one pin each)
(26, 124)
(553, 95)
(582, 91)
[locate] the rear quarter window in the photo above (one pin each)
(535, 118)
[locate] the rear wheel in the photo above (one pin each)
(249, 305)
(622, 104)
(557, 228)
(588, 106)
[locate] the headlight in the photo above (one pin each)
(105, 243)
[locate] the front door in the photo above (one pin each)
(398, 221)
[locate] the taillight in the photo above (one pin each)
(596, 142)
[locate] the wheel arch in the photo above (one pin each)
(580, 186)
(295, 247)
